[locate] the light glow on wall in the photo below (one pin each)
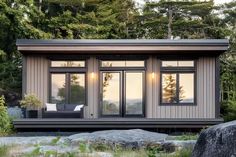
(153, 75)
(92, 75)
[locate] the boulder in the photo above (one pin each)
(171, 146)
(26, 140)
(134, 139)
(217, 141)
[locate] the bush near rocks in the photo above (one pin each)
(228, 109)
(5, 120)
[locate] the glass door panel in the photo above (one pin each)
(111, 83)
(134, 93)
(77, 89)
(58, 88)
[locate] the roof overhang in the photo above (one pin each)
(212, 46)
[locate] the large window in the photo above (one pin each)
(177, 82)
(67, 82)
(122, 88)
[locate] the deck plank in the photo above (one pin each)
(115, 123)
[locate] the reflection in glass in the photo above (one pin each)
(177, 63)
(185, 63)
(122, 63)
(58, 88)
(186, 83)
(77, 89)
(111, 93)
(169, 63)
(169, 88)
(67, 63)
(134, 93)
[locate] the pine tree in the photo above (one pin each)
(170, 90)
(184, 19)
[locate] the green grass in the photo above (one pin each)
(55, 140)
(85, 149)
(116, 153)
(186, 152)
(4, 151)
(186, 137)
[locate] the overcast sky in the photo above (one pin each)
(216, 1)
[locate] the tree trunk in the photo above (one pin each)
(40, 5)
(170, 18)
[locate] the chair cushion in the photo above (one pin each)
(60, 107)
(51, 107)
(78, 107)
(70, 107)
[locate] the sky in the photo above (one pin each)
(216, 1)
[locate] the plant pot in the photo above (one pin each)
(32, 113)
(24, 112)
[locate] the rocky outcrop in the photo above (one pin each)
(25, 140)
(217, 141)
(134, 139)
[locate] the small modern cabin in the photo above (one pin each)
(123, 83)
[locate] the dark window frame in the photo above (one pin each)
(122, 71)
(179, 70)
(67, 71)
(122, 97)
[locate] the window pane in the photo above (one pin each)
(185, 63)
(186, 88)
(77, 89)
(113, 63)
(68, 63)
(177, 63)
(122, 63)
(169, 63)
(134, 93)
(58, 88)
(169, 88)
(111, 93)
(134, 63)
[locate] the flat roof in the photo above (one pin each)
(197, 42)
(121, 45)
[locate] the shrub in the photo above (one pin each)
(185, 152)
(229, 110)
(152, 151)
(4, 150)
(31, 101)
(15, 112)
(188, 136)
(5, 120)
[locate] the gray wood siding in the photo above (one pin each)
(91, 110)
(36, 81)
(37, 77)
(205, 84)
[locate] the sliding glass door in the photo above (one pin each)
(122, 93)
(134, 92)
(111, 93)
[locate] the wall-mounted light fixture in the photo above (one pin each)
(92, 75)
(153, 75)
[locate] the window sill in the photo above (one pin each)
(179, 104)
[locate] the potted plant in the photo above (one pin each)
(32, 104)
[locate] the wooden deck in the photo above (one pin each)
(113, 123)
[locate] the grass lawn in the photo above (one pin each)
(90, 151)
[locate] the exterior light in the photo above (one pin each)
(92, 75)
(153, 75)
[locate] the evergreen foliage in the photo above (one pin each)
(5, 121)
